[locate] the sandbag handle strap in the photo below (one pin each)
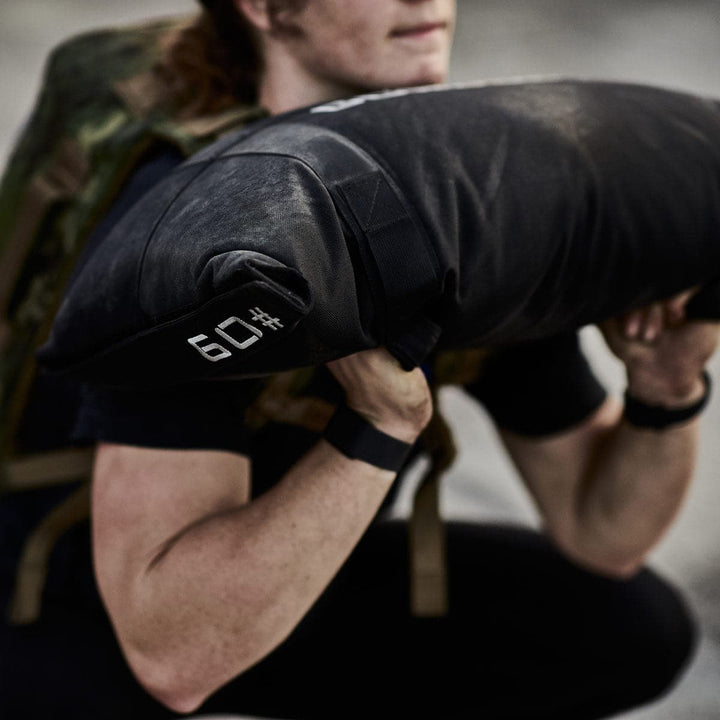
(395, 249)
(412, 345)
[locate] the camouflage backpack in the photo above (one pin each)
(101, 108)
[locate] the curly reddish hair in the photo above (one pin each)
(216, 62)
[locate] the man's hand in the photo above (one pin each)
(395, 401)
(664, 353)
(608, 490)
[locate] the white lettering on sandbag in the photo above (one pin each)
(255, 334)
(213, 351)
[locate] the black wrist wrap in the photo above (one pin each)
(358, 439)
(657, 417)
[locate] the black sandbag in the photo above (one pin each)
(457, 216)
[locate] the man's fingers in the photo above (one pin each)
(643, 325)
(676, 306)
(654, 322)
(631, 324)
(647, 324)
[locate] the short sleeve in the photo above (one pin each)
(539, 388)
(205, 416)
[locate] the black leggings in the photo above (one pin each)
(529, 636)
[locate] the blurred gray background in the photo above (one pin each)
(673, 44)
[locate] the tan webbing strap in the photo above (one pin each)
(428, 566)
(281, 401)
(45, 469)
(459, 367)
(428, 571)
(428, 562)
(216, 124)
(31, 574)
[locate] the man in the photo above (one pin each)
(200, 583)
(243, 571)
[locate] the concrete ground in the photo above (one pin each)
(654, 41)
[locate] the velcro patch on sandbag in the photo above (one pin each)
(390, 232)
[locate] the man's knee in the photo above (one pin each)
(662, 636)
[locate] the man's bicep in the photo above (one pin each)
(145, 497)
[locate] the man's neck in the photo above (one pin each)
(286, 85)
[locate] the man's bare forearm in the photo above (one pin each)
(638, 476)
(608, 490)
(632, 483)
(199, 583)
(229, 588)
(633, 491)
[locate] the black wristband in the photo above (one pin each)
(657, 417)
(358, 439)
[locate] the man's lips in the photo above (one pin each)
(418, 30)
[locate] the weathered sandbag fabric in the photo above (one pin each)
(457, 216)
